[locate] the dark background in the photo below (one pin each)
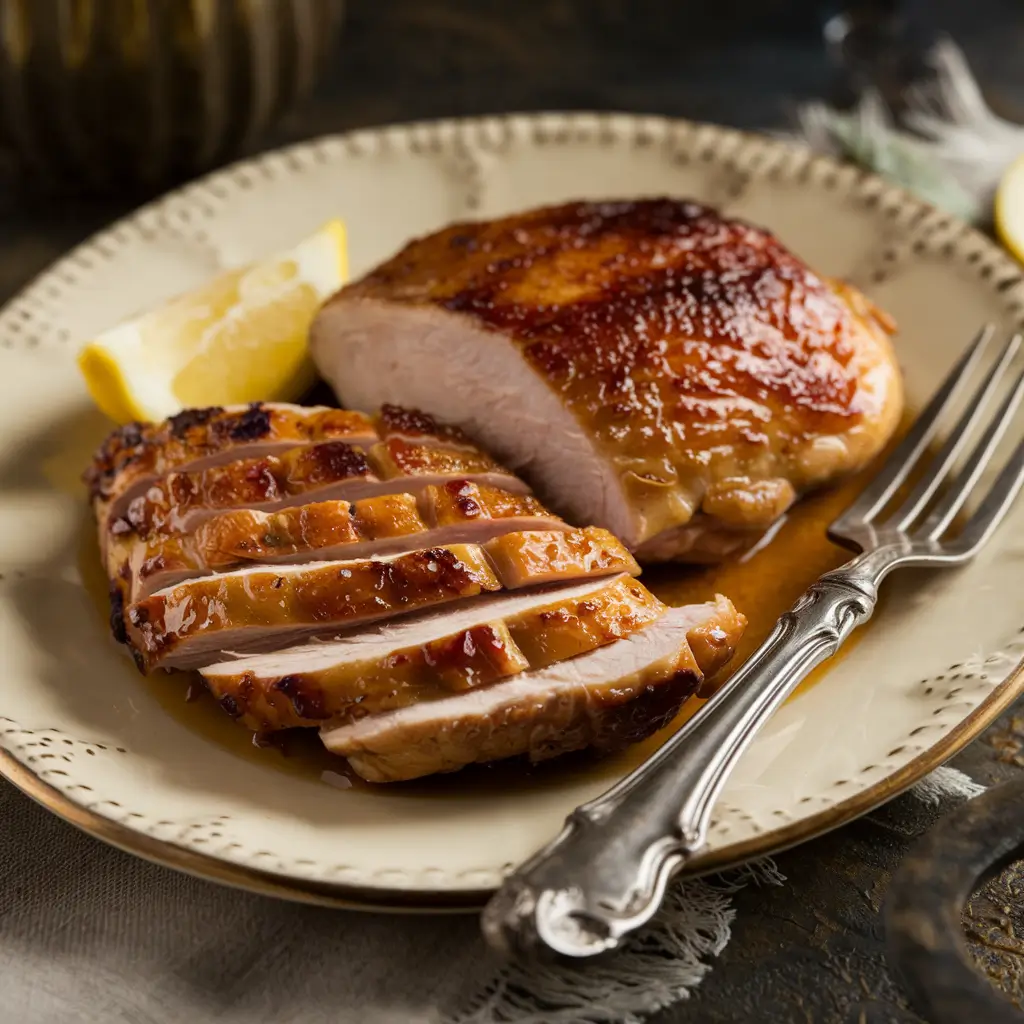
(747, 63)
(814, 949)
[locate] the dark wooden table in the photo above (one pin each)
(812, 950)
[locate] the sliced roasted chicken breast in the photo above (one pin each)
(429, 656)
(386, 580)
(457, 512)
(260, 608)
(135, 455)
(263, 608)
(179, 502)
(605, 699)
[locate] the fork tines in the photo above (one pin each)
(864, 526)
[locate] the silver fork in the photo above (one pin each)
(606, 874)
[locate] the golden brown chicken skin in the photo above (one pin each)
(456, 512)
(704, 375)
(422, 660)
(135, 455)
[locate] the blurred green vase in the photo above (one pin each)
(113, 94)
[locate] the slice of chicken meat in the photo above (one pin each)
(196, 623)
(607, 699)
(549, 556)
(135, 455)
(456, 512)
(179, 502)
(670, 374)
(264, 608)
(429, 656)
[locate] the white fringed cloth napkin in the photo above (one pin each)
(94, 936)
(91, 935)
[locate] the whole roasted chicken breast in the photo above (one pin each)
(650, 366)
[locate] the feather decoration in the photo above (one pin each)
(949, 147)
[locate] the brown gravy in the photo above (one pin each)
(762, 585)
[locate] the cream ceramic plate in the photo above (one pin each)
(83, 733)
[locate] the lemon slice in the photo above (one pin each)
(239, 338)
(1009, 208)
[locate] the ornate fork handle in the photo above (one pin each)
(606, 873)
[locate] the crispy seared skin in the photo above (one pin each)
(191, 624)
(393, 421)
(296, 533)
(138, 452)
(165, 507)
(606, 699)
(231, 539)
(234, 538)
(453, 513)
(176, 626)
(710, 376)
(549, 556)
(482, 654)
(398, 457)
(135, 456)
(460, 501)
(420, 660)
(177, 502)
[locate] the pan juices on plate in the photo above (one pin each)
(675, 378)
(336, 571)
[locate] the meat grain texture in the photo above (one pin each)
(427, 657)
(605, 700)
(324, 568)
(671, 376)
(650, 366)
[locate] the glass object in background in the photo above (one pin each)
(107, 95)
(880, 45)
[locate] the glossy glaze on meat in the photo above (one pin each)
(670, 374)
(398, 457)
(136, 454)
(254, 608)
(259, 608)
(430, 656)
(605, 700)
(350, 582)
(179, 502)
(552, 555)
(456, 512)
(456, 502)
(372, 525)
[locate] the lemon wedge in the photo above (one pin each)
(1009, 208)
(239, 338)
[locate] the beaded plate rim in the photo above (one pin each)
(743, 157)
